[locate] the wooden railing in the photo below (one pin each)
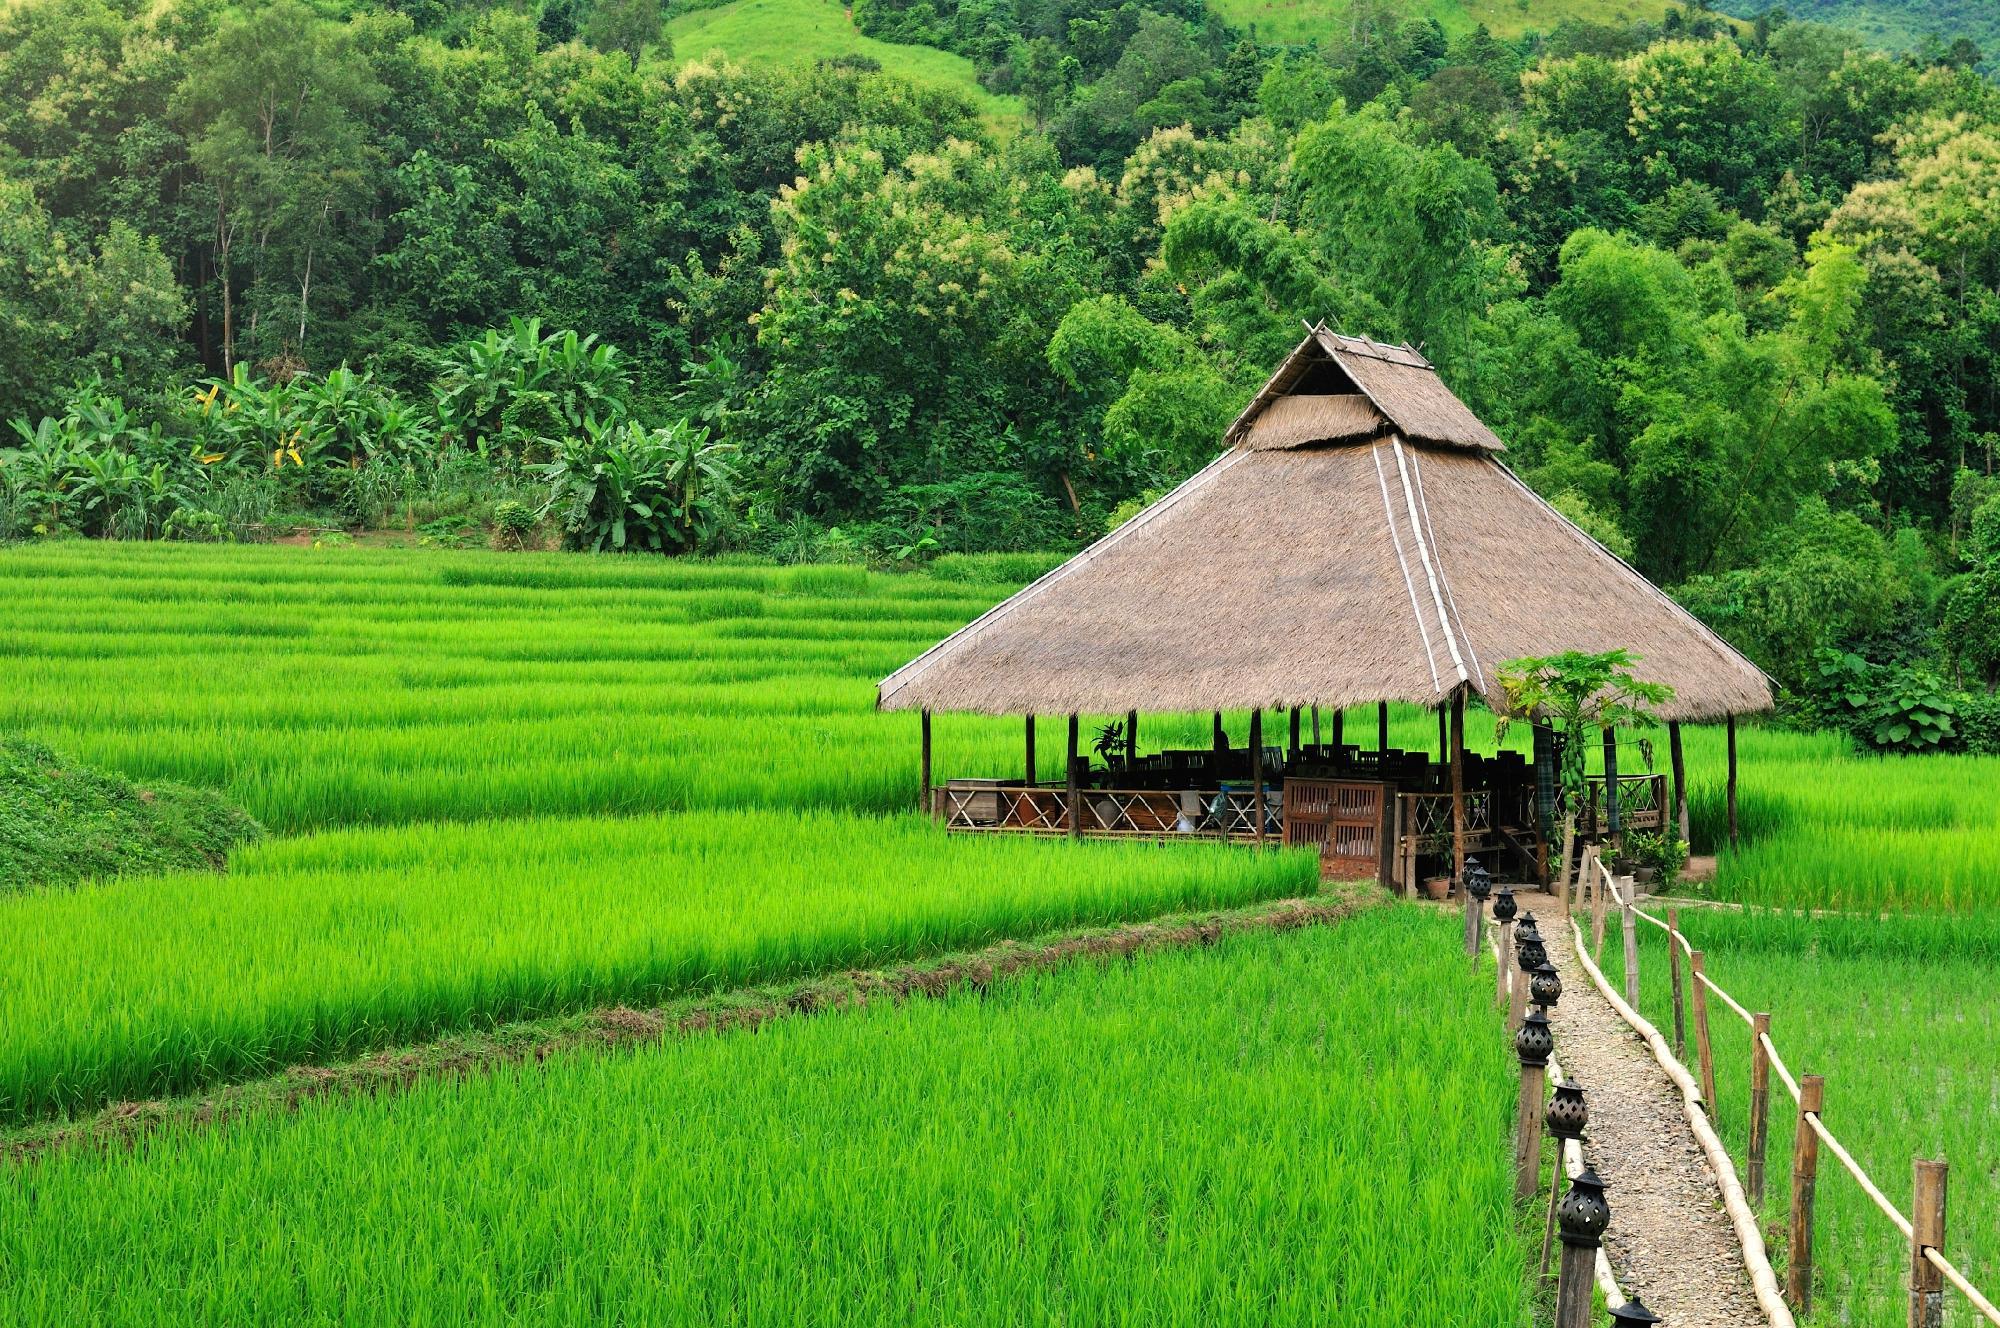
(1642, 804)
(1928, 1270)
(1222, 813)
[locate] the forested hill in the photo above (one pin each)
(985, 275)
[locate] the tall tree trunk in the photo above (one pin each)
(1568, 851)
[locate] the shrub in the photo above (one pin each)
(513, 522)
(1886, 707)
(1979, 723)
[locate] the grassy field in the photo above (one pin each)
(1300, 21)
(1252, 1141)
(771, 32)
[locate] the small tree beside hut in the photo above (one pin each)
(1574, 692)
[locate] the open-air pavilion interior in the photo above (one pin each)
(1357, 542)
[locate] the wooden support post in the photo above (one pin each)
(1131, 738)
(924, 775)
(1292, 746)
(1505, 966)
(1458, 787)
(1629, 924)
(1732, 781)
(1221, 742)
(1072, 804)
(1528, 1131)
(1805, 1176)
(1444, 734)
(1257, 772)
(1926, 1233)
(1315, 726)
(1545, 799)
(1760, 1106)
(1381, 726)
(1555, 1201)
(1340, 727)
(1576, 1280)
(1674, 971)
(1679, 764)
(1614, 815)
(1704, 1052)
(1029, 762)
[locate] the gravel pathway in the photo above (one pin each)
(1670, 1243)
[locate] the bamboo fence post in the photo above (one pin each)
(1674, 971)
(1805, 1176)
(1760, 1104)
(924, 775)
(1631, 928)
(1704, 1052)
(1926, 1233)
(1071, 801)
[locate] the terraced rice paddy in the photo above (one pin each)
(509, 786)
(1232, 1134)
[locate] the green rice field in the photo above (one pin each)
(1232, 1134)
(505, 787)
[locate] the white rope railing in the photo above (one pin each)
(1675, 936)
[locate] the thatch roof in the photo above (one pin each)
(1367, 565)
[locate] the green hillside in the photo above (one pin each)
(1288, 21)
(773, 32)
(1902, 25)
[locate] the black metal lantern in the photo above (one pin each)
(1528, 927)
(1634, 1311)
(1504, 907)
(1478, 881)
(1530, 952)
(1534, 1043)
(1583, 1214)
(1545, 985)
(1567, 1115)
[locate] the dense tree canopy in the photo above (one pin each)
(1732, 294)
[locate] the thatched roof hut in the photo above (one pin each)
(1359, 540)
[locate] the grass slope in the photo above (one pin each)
(61, 823)
(1227, 1135)
(1299, 21)
(774, 32)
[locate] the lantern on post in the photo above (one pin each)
(1567, 1114)
(1528, 949)
(1581, 1217)
(1505, 909)
(1478, 881)
(1633, 1311)
(1535, 1043)
(1545, 985)
(1565, 1117)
